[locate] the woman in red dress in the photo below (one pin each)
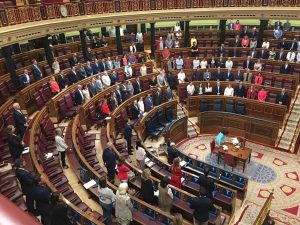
(104, 108)
(176, 174)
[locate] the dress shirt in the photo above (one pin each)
(291, 56)
(140, 153)
(106, 81)
(298, 57)
(86, 94)
(141, 106)
(143, 70)
(181, 77)
(228, 64)
(228, 91)
(203, 64)
(61, 145)
(196, 63)
(139, 36)
(265, 44)
(190, 89)
(179, 64)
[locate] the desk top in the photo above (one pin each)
(242, 153)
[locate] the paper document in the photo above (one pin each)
(89, 184)
(182, 179)
(225, 147)
(26, 150)
(182, 163)
(156, 193)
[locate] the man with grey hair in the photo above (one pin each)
(19, 118)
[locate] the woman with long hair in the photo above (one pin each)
(176, 173)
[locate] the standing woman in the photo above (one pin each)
(122, 170)
(61, 147)
(55, 66)
(59, 210)
(140, 155)
(165, 197)
(147, 189)
(177, 220)
(123, 205)
(107, 200)
(15, 143)
(176, 173)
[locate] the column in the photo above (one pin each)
(84, 46)
(222, 28)
(62, 38)
(143, 28)
(181, 23)
(103, 31)
(187, 38)
(119, 41)
(16, 48)
(262, 27)
(10, 66)
(48, 51)
(152, 39)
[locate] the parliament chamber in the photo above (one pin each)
(150, 112)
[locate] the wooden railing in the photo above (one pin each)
(265, 210)
(31, 13)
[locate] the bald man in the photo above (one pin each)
(20, 120)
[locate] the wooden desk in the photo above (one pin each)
(241, 154)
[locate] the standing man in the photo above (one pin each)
(207, 183)
(201, 205)
(36, 71)
(109, 158)
(20, 120)
(128, 135)
(172, 153)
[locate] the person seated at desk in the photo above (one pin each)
(221, 137)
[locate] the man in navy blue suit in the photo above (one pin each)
(228, 76)
(20, 120)
(128, 135)
(109, 158)
(96, 67)
(219, 74)
(36, 71)
(118, 95)
(148, 103)
(79, 98)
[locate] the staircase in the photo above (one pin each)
(191, 130)
(290, 129)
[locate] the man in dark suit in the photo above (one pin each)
(228, 76)
(293, 45)
(15, 143)
(118, 95)
(27, 181)
(79, 98)
(263, 53)
(25, 79)
(247, 64)
(219, 74)
(137, 86)
(253, 53)
(282, 98)
(222, 49)
(197, 75)
(89, 55)
(73, 77)
(74, 60)
(148, 103)
(202, 205)
(240, 90)
(172, 153)
(110, 160)
(207, 183)
(36, 71)
(135, 112)
(286, 68)
(157, 98)
(124, 92)
(92, 87)
(283, 44)
(218, 90)
(221, 62)
(281, 55)
(236, 43)
(128, 135)
(102, 66)
(42, 195)
(20, 120)
(62, 82)
(88, 69)
(96, 67)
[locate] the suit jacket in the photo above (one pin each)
(137, 87)
(217, 90)
(198, 76)
(119, 96)
(253, 54)
(157, 99)
(92, 89)
(20, 122)
(42, 195)
(240, 92)
(89, 70)
(102, 66)
(73, 78)
(219, 75)
(247, 65)
(26, 180)
(285, 70)
(293, 46)
(221, 50)
(37, 72)
(135, 112)
(264, 54)
(82, 74)
(15, 145)
(280, 56)
(73, 61)
(202, 206)
(96, 68)
(62, 82)
(148, 104)
(208, 184)
(282, 98)
(89, 57)
(79, 98)
(127, 131)
(228, 77)
(171, 65)
(247, 77)
(283, 45)
(24, 81)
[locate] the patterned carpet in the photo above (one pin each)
(269, 169)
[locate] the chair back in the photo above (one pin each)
(229, 159)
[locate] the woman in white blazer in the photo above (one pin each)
(61, 147)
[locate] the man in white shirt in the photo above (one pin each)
(291, 56)
(179, 63)
(105, 80)
(181, 77)
(190, 89)
(228, 91)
